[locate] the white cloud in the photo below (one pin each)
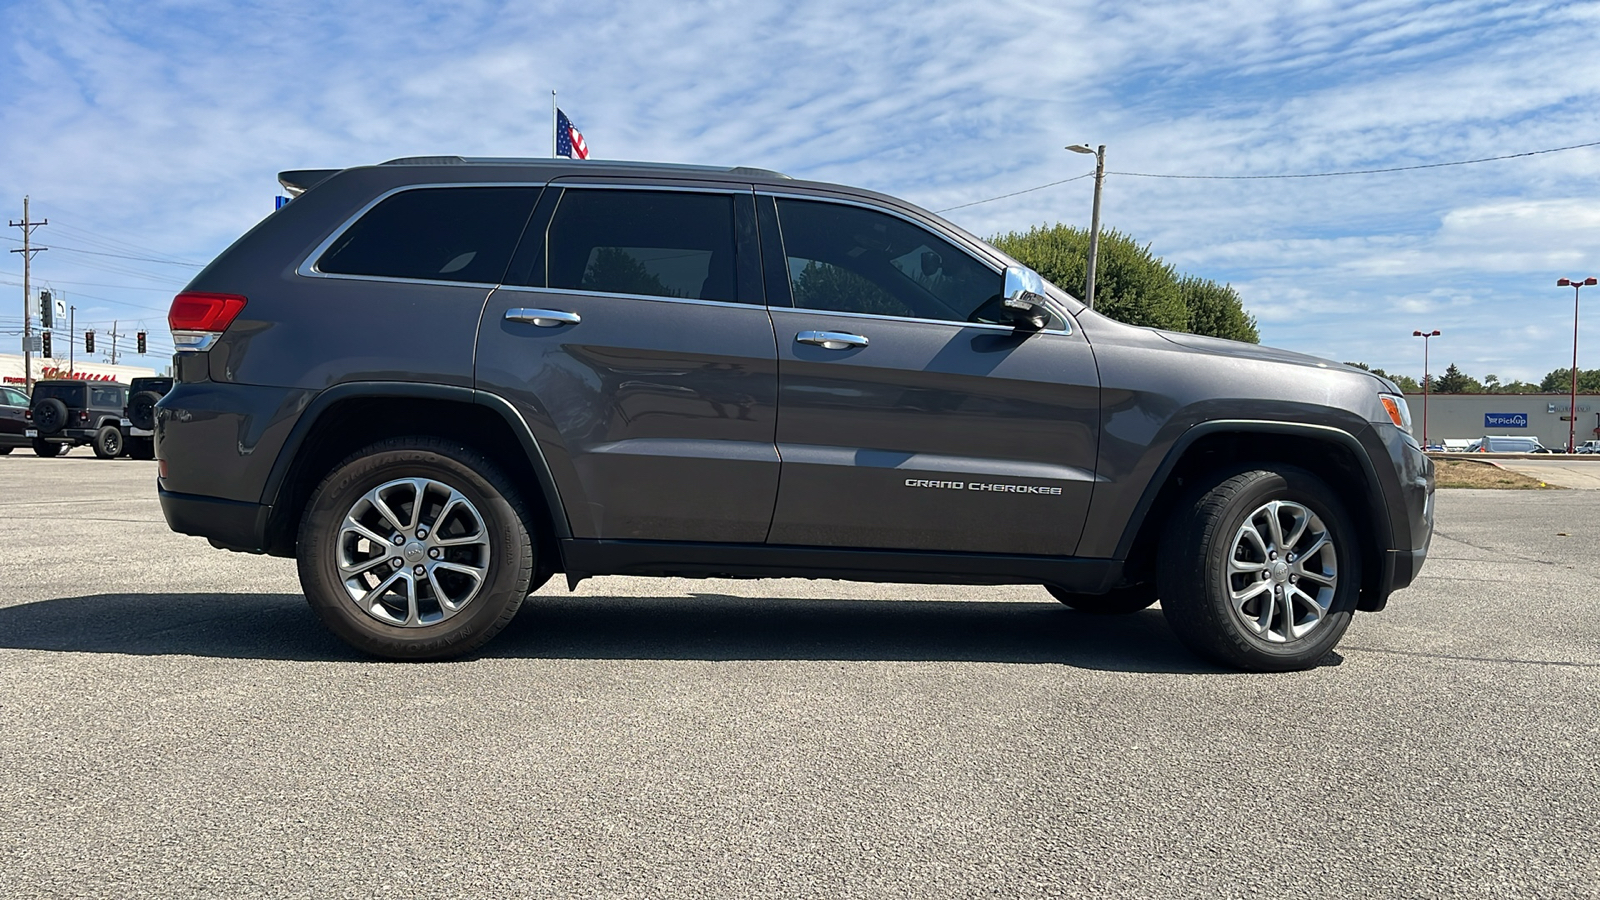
(164, 124)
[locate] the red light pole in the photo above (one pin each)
(1575, 284)
(1425, 335)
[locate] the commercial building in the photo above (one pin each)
(11, 370)
(1456, 417)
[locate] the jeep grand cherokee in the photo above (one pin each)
(436, 382)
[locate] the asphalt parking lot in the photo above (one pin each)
(173, 722)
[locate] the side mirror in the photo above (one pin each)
(1023, 299)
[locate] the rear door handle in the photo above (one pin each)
(544, 318)
(831, 340)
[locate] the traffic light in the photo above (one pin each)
(141, 343)
(44, 345)
(47, 311)
(88, 342)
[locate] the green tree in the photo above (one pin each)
(1560, 381)
(1216, 310)
(1403, 382)
(1454, 381)
(822, 285)
(1131, 284)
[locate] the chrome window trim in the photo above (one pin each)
(955, 240)
(529, 289)
(653, 188)
(987, 326)
(308, 266)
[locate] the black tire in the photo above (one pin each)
(142, 409)
(6, 451)
(141, 448)
(49, 449)
(108, 442)
(1196, 586)
(1119, 602)
(49, 415)
(507, 529)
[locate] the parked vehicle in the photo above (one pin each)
(1589, 447)
(66, 414)
(139, 416)
(13, 420)
(1506, 444)
(437, 382)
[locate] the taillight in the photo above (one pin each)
(197, 319)
(83, 415)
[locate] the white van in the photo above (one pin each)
(1506, 444)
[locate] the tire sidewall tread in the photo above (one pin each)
(1198, 541)
(505, 514)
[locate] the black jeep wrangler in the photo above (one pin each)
(67, 413)
(139, 416)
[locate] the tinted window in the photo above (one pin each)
(106, 396)
(850, 259)
(70, 394)
(14, 398)
(656, 243)
(437, 234)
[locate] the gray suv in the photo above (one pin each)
(438, 381)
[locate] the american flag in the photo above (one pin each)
(569, 140)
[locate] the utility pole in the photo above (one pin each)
(27, 250)
(114, 337)
(72, 338)
(1094, 221)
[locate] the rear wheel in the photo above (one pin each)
(416, 548)
(1112, 603)
(108, 442)
(1261, 571)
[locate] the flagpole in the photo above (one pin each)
(552, 123)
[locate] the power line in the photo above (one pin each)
(168, 262)
(1459, 162)
(1015, 193)
(1440, 165)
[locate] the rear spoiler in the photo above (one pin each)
(299, 181)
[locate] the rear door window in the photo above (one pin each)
(463, 234)
(651, 243)
(106, 396)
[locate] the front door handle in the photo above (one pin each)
(831, 340)
(544, 318)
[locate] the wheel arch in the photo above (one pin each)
(1332, 454)
(346, 417)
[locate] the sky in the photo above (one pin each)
(151, 134)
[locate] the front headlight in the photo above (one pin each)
(1399, 412)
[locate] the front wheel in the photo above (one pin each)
(1261, 571)
(415, 548)
(142, 448)
(47, 449)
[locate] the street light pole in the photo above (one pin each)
(1425, 335)
(1094, 220)
(1575, 284)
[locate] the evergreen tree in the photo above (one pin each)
(1454, 381)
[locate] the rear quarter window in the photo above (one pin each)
(70, 394)
(106, 396)
(435, 234)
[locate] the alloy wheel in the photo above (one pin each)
(413, 552)
(1283, 570)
